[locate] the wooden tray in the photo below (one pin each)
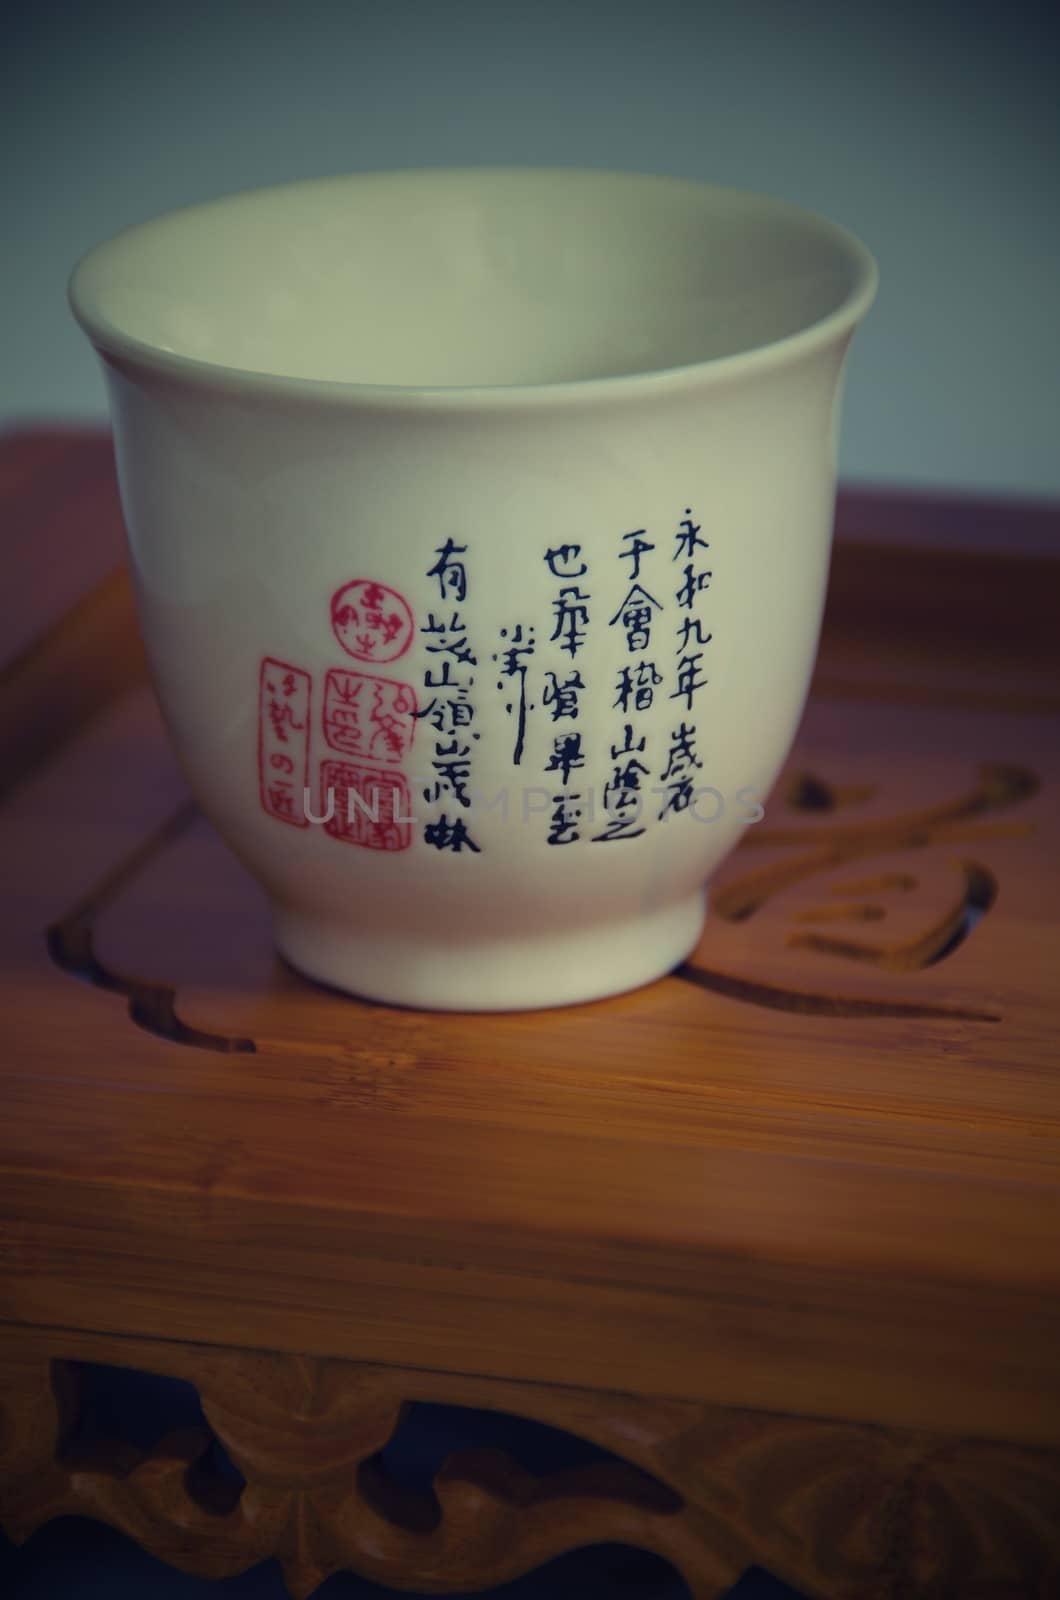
(816, 1170)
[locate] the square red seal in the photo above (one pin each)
(284, 696)
(368, 806)
(370, 717)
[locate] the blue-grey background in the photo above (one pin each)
(932, 130)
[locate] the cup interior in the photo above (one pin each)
(469, 278)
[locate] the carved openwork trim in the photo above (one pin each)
(842, 1511)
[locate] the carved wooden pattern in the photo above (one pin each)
(151, 1005)
(999, 788)
(898, 892)
(736, 1201)
(914, 910)
(840, 1510)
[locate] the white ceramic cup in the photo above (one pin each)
(497, 504)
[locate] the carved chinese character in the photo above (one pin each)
(566, 755)
(681, 756)
(689, 679)
(562, 698)
(636, 686)
(511, 663)
(635, 614)
(564, 820)
(446, 835)
(449, 638)
(565, 562)
(687, 538)
(636, 549)
(694, 583)
(451, 575)
(572, 617)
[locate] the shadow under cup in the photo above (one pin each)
(480, 526)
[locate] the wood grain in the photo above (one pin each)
(843, 1511)
(814, 1173)
(70, 642)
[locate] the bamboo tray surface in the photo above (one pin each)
(815, 1169)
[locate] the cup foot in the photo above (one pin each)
(513, 974)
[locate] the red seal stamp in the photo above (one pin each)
(368, 806)
(284, 702)
(371, 622)
(370, 717)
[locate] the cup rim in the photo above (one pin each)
(112, 341)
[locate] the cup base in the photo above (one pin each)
(514, 974)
